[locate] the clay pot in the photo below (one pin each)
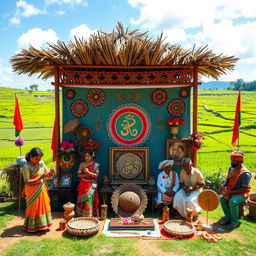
(68, 207)
(69, 215)
(251, 202)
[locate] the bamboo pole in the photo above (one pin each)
(57, 115)
(195, 104)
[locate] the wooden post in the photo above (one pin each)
(57, 115)
(195, 104)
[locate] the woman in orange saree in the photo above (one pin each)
(87, 200)
(38, 209)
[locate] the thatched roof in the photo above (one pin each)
(122, 47)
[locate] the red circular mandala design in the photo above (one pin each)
(79, 108)
(96, 97)
(70, 94)
(144, 125)
(159, 96)
(176, 107)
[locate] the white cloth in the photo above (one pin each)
(163, 183)
(182, 201)
(165, 163)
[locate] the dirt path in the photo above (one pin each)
(14, 233)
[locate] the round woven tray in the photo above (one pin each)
(179, 228)
(83, 226)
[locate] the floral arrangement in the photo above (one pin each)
(91, 145)
(67, 148)
(67, 154)
(175, 121)
(196, 140)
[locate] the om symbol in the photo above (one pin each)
(127, 125)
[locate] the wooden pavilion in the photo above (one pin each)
(124, 70)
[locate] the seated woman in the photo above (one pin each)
(38, 211)
(167, 181)
(87, 200)
(191, 182)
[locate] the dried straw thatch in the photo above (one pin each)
(122, 47)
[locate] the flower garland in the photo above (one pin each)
(67, 154)
(196, 140)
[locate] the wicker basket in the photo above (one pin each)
(83, 226)
(179, 228)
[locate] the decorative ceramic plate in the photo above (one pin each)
(84, 133)
(79, 108)
(159, 96)
(70, 94)
(129, 165)
(96, 97)
(184, 93)
(176, 107)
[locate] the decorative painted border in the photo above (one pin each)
(137, 110)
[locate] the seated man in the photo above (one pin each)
(167, 181)
(191, 182)
(235, 190)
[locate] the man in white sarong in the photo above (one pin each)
(167, 181)
(191, 182)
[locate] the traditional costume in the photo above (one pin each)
(38, 211)
(87, 200)
(236, 180)
(165, 181)
(182, 201)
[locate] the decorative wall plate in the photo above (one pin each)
(84, 133)
(176, 107)
(79, 108)
(184, 93)
(159, 96)
(129, 125)
(129, 165)
(96, 97)
(70, 94)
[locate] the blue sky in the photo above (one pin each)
(226, 26)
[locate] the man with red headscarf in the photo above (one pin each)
(235, 189)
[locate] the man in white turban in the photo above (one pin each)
(167, 182)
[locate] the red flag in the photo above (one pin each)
(17, 121)
(54, 141)
(237, 121)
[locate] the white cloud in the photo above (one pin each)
(60, 12)
(11, 80)
(71, 2)
(15, 20)
(25, 10)
(81, 31)
(37, 38)
(226, 26)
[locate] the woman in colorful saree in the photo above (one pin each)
(87, 200)
(38, 210)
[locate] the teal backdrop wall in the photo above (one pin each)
(97, 118)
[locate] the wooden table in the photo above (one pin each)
(106, 192)
(60, 196)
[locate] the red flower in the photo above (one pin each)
(175, 121)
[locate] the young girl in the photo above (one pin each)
(87, 200)
(38, 210)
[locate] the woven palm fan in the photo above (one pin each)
(208, 201)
